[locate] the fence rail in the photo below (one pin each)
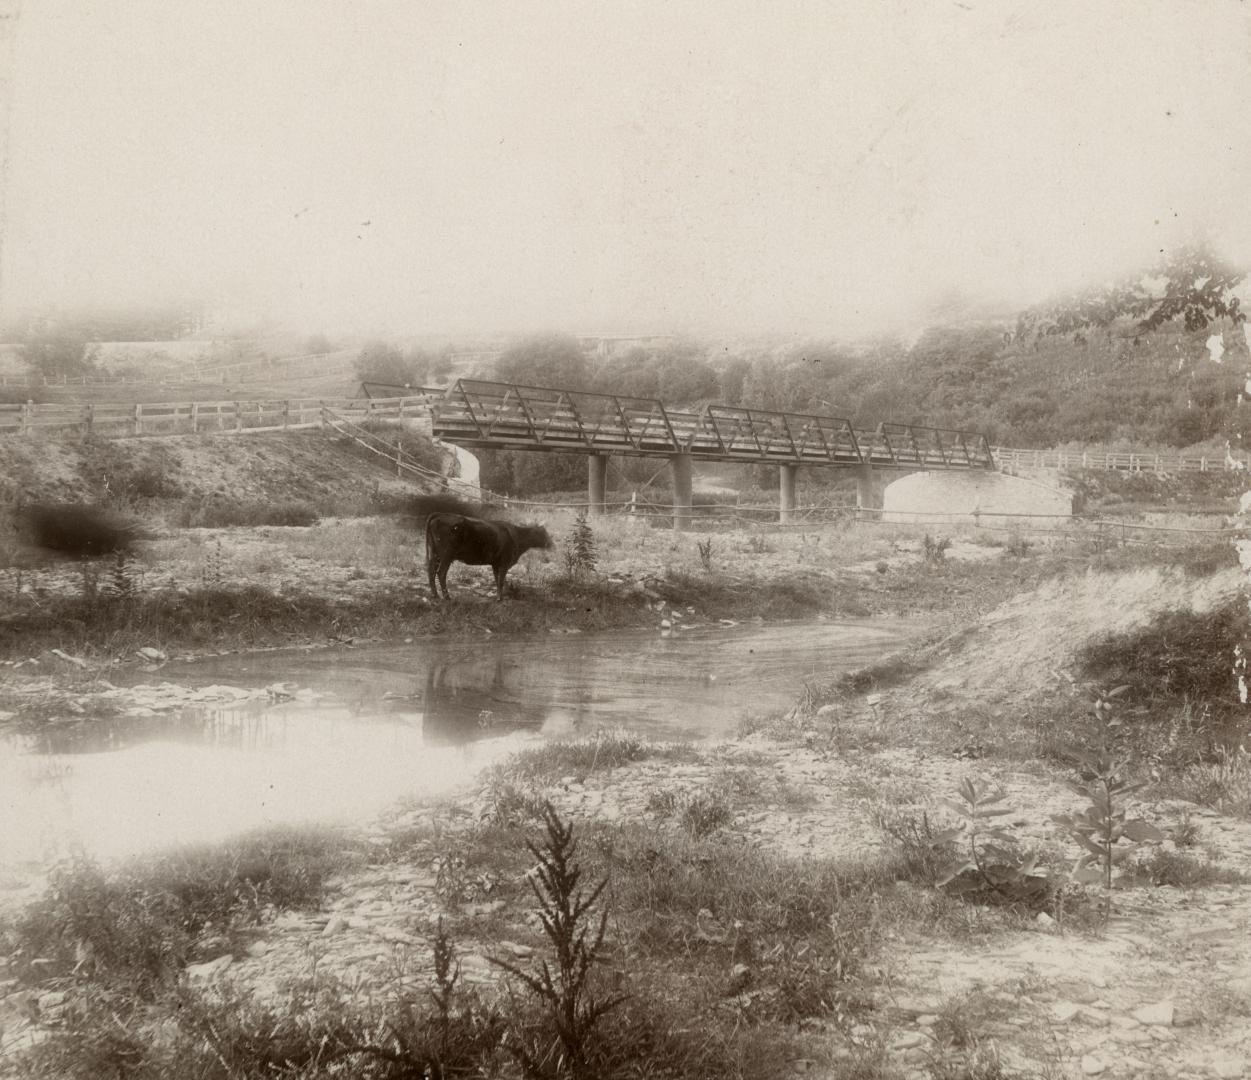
(191, 417)
(1120, 462)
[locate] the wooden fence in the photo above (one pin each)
(115, 419)
(1121, 462)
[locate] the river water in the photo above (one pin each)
(365, 727)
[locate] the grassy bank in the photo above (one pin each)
(363, 579)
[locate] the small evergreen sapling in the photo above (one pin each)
(580, 557)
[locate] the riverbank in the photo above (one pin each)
(775, 902)
(196, 591)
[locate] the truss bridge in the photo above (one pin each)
(496, 415)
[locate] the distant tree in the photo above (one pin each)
(59, 353)
(684, 380)
(1191, 283)
(440, 369)
(317, 343)
(731, 379)
(630, 374)
(545, 360)
(384, 363)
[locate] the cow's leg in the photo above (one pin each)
(432, 562)
(501, 572)
(444, 565)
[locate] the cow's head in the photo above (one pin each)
(534, 536)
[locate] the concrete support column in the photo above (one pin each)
(596, 482)
(870, 488)
(786, 492)
(682, 488)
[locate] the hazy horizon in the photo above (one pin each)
(455, 168)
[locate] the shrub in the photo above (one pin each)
(1179, 655)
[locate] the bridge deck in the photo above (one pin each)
(497, 415)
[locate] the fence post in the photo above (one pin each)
(137, 422)
(286, 413)
(195, 417)
(89, 417)
(27, 411)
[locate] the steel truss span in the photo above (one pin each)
(497, 415)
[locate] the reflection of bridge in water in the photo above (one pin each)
(494, 415)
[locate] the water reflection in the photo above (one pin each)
(382, 724)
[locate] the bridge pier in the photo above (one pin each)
(683, 482)
(787, 475)
(596, 483)
(870, 488)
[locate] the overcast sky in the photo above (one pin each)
(709, 166)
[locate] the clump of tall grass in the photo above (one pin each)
(1222, 782)
(607, 749)
(135, 927)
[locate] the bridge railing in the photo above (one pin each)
(482, 413)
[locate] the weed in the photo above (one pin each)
(924, 858)
(122, 576)
(212, 573)
(607, 749)
(699, 813)
(935, 549)
(705, 553)
(1187, 832)
(1018, 547)
(511, 802)
(1182, 870)
(986, 862)
(565, 913)
(580, 556)
(1223, 782)
(1104, 824)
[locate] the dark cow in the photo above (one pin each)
(497, 544)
